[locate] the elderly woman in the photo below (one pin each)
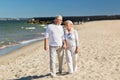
(72, 43)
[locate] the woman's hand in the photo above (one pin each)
(76, 50)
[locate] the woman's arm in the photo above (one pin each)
(77, 42)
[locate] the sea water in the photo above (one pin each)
(17, 33)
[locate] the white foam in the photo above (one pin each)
(30, 28)
(7, 49)
(30, 41)
(42, 25)
(43, 34)
(45, 27)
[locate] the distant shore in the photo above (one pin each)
(75, 19)
(99, 57)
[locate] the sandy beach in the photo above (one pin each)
(99, 57)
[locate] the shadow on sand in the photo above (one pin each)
(32, 77)
(37, 77)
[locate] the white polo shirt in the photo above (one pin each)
(55, 34)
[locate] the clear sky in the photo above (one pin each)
(49, 8)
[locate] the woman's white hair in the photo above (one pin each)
(69, 21)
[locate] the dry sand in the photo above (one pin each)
(99, 57)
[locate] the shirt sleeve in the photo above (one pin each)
(47, 32)
(77, 39)
(63, 37)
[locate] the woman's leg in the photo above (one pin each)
(75, 62)
(74, 58)
(69, 61)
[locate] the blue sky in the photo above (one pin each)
(49, 8)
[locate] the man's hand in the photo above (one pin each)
(46, 48)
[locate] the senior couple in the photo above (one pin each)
(57, 40)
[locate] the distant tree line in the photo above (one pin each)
(75, 19)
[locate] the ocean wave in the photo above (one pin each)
(45, 27)
(4, 44)
(9, 48)
(27, 28)
(31, 40)
(30, 28)
(7, 45)
(43, 33)
(42, 25)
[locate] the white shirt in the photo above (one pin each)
(55, 34)
(71, 38)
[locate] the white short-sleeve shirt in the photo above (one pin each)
(55, 34)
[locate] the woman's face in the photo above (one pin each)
(68, 26)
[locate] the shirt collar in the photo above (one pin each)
(70, 31)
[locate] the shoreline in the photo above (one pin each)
(12, 55)
(13, 47)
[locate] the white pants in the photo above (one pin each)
(53, 51)
(71, 59)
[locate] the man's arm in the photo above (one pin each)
(46, 46)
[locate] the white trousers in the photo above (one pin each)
(71, 59)
(54, 50)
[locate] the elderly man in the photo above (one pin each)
(55, 36)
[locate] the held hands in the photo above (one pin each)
(64, 46)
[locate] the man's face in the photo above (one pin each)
(59, 21)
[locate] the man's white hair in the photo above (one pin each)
(69, 21)
(59, 17)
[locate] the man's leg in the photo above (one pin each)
(52, 61)
(60, 52)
